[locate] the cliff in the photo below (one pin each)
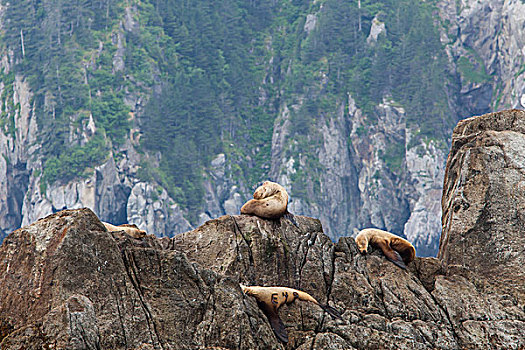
(356, 127)
(67, 283)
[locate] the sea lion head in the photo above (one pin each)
(267, 189)
(362, 244)
(249, 207)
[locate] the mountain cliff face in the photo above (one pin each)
(67, 283)
(164, 115)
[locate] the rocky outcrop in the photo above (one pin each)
(82, 287)
(483, 200)
(151, 209)
(68, 283)
(115, 195)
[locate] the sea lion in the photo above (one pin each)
(130, 229)
(270, 201)
(396, 249)
(270, 299)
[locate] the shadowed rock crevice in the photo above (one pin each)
(128, 260)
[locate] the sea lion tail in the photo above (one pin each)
(331, 311)
(291, 217)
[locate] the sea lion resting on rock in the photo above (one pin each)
(130, 229)
(270, 201)
(270, 299)
(395, 248)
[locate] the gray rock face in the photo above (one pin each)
(377, 28)
(490, 41)
(358, 187)
(14, 173)
(151, 209)
(425, 171)
(103, 192)
(311, 21)
(483, 199)
(381, 153)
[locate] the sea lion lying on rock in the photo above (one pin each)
(270, 201)
(130, 229)
(270, 299)
(396, 249)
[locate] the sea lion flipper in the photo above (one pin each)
(392, 255)
(278, 328)
(275, 321)
(404, 248)
(331, 311)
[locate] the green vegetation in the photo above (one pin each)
(66, 167)
(393, 156)
(406, 63)
(7, 121)
(214, 76)
(521, 70)
(473, 72)
(65, 51)
(210, 97)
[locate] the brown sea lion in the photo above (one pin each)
(270, 299)
(270, 201)
(395, 248)
(130, 229)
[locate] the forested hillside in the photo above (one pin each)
(349, 104)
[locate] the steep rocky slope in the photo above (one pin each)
(360, 155)
(67, 283)
(483, 199)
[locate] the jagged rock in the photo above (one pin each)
(65, 280)
(489, 35)
(483, 198)
(111, 194)
(222, 194)
(75, 285)
(310, 23)
(383, 204)
(103, 192)
(151, 209)
(184, 290)
(426, 169)
(377, 28)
